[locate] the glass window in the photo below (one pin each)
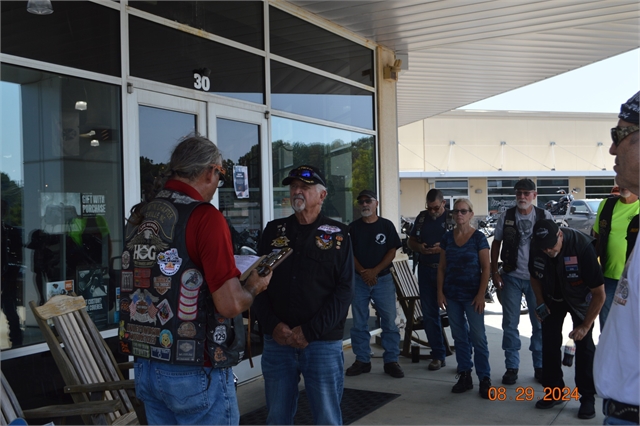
(580, 207)
(598, 187)
(79, 34)
(237, 21)
(346, 158)
(240, 197)
(311, 45)
(301, 92)
(550, 189)
(174, 57)
(501, 194)
(61, 171)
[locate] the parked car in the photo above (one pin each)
(581, 214)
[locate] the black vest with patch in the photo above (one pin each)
(511, 238)
(166, 309)
(632, 234)
(564, 271)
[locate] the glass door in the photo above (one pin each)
(241, 136)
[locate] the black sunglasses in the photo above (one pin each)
(619, 133)
(462, 211)
(306, 174)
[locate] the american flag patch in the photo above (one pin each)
(571, 260)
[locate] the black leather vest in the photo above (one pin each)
(604, 228)
(567, 274)
(632, 234)
(511, 238)
(166, 309)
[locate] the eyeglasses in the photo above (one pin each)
(433, 209)
(523, 193)
(462, 211)
(619, 133)
(306, 174)
(365, 201)
(221, 173)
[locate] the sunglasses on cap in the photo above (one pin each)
(305, 174)
(619, 133)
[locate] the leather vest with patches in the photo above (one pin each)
(166, 309)
(567, 273)
(511, 238)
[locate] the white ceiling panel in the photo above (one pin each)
(463, 51)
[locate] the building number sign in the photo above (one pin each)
(201, 82)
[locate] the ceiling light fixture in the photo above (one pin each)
(40, 7)
(95, 142)
(81, 106)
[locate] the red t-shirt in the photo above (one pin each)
(208, 239)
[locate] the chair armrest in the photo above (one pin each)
(77, 409)
(125, 366)
(100, 387)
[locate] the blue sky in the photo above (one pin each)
(599, 87)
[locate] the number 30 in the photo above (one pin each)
(201, 82)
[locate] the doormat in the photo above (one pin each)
(355, 405)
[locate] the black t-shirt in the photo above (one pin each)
(430, 231)
(371, 241)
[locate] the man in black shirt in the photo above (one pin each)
(303, 312)
(566, 278)
(375, 242)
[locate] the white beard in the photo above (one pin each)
(366, 213)
(298, 204)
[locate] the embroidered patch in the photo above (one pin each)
(381, 239)
(143, 333)
(622, 291)
(124, 304)
(220, 334)
(163, 354)
(142, 277)
(140, 349)
(509, 222)
(329, 229)
(164, 311)
(165, 338)
(219, 356)
(324, 241)
(161, 284)
(181, 199)
(186, 317)
(281, 241)
(186, 350)
(169, 262)
(125, 347)
(145, 244)
(126, 259)
(126, 282)
(191, 279)
(189, 293)
(571, 260)
(188, 309)
(187, 329)
(141, 307)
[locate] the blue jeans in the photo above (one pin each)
(185, 394)
(610, 286)
(511, 295)
(428, 283)
(466, 332)
(322, 366)
(383, 295)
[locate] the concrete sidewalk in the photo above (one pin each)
(426, 398)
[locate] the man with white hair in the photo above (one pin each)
(616, 369)
(303, 315)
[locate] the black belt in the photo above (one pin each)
(385, 272)
(432, 265)
(622, 411)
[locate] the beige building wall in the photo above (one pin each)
(481, 145)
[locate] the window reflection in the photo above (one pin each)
(61, 196)
(304, 93)
(346, 158)
(241, 194)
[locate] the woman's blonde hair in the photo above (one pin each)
(464, 200)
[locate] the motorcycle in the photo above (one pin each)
(406, 225)
(559, 208)
(488, 225)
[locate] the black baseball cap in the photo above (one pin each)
(367, 193)
(525, 184)
(545, 234)
(307, 174)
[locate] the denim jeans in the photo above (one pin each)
(610, 286)
(185, 394)
(511, 295)
(428, 283)
(321, 364)
(383, 295)
(467, 328)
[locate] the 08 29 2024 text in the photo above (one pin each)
(527, 393)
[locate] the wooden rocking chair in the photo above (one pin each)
(408, 294)
(85, 361)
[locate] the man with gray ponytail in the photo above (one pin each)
(181, 296)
